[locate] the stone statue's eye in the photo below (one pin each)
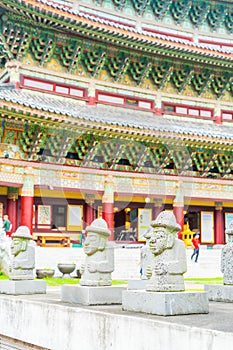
(93, 239)
(160, 236)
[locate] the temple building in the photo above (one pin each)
(119, 109)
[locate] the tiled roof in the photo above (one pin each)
(145, 122)
(120, 31)
(130, 29)
(7, 86)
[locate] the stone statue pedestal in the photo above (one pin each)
(218, 292)
(92, 295)
(165, 303)
(137, 284)
(22, 287)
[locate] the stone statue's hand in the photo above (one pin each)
(143, 255)
(160, 269)
(15, 265)
(91, 267)
(148, 272)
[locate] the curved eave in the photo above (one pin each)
(102, 30)
(109, 121)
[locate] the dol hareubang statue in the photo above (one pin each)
(168, 255)
(99, 256)
(145, 255)
(227, 258)
(5, 254)
(23, 251)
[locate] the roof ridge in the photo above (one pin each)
(7, 86)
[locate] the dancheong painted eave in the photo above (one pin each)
(86, 25)
(109, 119)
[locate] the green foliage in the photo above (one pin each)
(192, 284)
(205, 280)
(2, 276)
(197, 284)
(194, 289)
(59, 281)
(116, 282)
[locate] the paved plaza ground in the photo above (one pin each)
(127, 260)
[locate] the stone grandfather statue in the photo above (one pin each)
(23, 251)
(168, 255)
(145, 255)
(99, 252)
(227, 258)
(5, 254)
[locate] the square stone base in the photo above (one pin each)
(92, 295)
(137, 284)
(165, 303)
(22, 287)
(220, 292)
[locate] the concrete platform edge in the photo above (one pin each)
(165, 303)
(58, 326)
(218, 292)
(92, 295)
(22, 287)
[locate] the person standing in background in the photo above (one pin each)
(7, 225)
(196, 246)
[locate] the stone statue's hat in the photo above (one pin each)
(22, 232)
(166, 219)
(99, 226)
(229, 230)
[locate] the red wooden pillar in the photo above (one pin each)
(217, 114)
(89, 209)
(14, 73)
(179, 214)
(158, 105)
(27, 200)
(218, 119)
(178, 208)
(1, 210)
(108, 205)
(219, 224)
(158, 208)
(91, 94)
(12, 207)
